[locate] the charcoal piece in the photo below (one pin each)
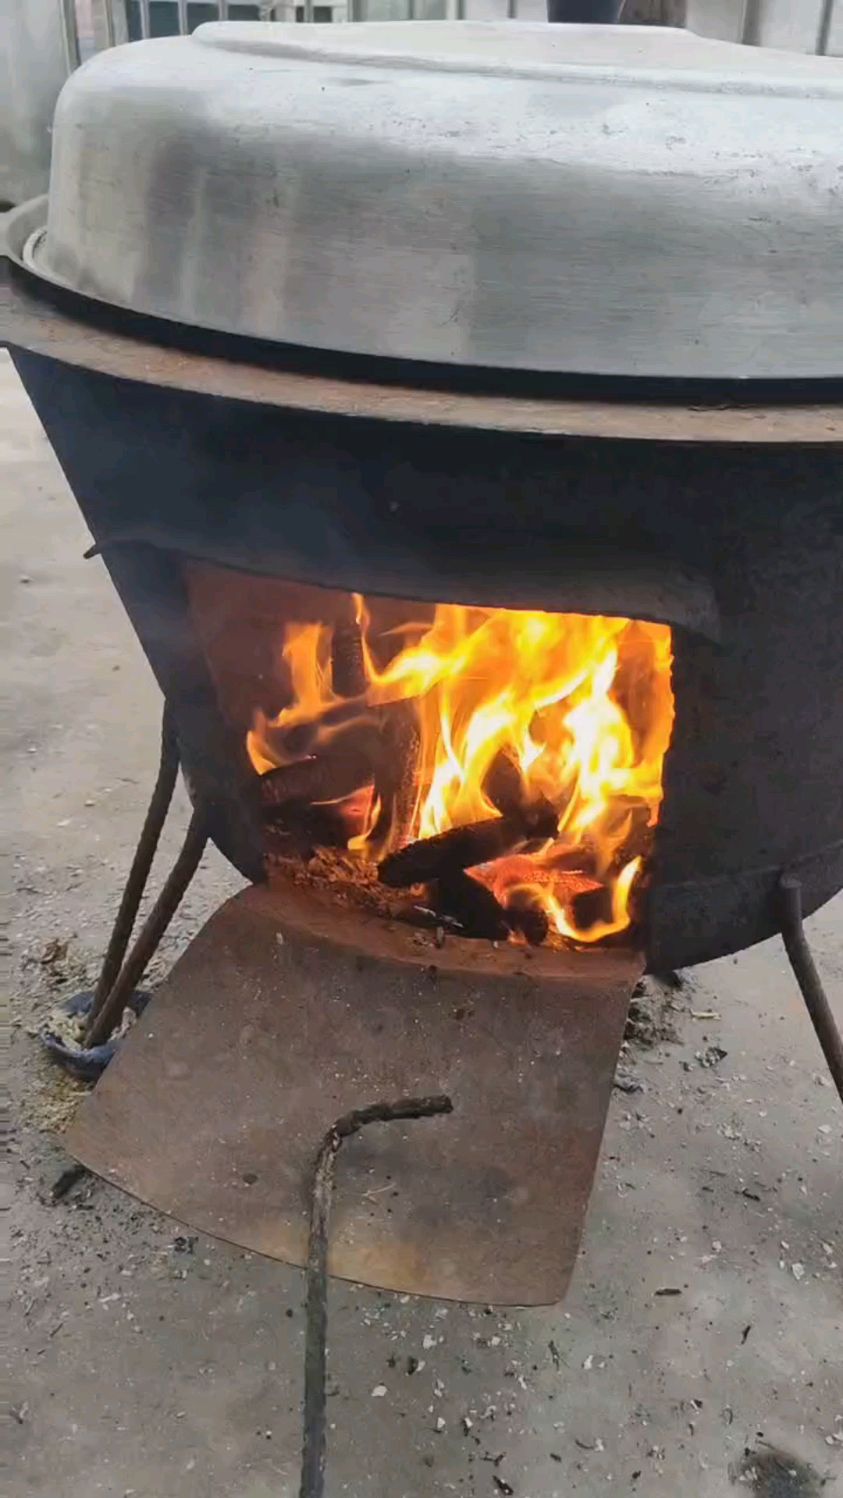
(525, 913)
(508, 793)
(461, 848)
(348, 666)
(396, 776)
(591, 906)
(469, 902)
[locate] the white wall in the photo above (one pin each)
(437, 10)
(33, 67)
(720, 18)
(792, 24)
(789, 24)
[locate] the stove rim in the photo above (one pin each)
(80, 331)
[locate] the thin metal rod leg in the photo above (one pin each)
(156, 816)
(101, 1025)
(828, 1034)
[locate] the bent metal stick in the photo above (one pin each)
(313, 1439)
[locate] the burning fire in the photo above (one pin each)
(570, 710)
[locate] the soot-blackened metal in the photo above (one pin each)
(743, 539)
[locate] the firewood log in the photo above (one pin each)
(344, 766)
(348, 667)
(464, 848)
(396, 775)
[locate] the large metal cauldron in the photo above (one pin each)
(591, 199)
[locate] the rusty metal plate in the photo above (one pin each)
(288, 1010)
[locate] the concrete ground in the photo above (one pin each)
(153, 1363)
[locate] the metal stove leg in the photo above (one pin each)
(120, 973)
(829, 1036)
(141, 863)
(101, 1024)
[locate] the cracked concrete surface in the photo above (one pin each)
(699, 1350)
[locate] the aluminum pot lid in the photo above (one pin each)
(599, 200)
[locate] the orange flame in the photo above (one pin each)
(583, 704)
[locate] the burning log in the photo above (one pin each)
(301, 738)
(346, 766)
(396, 782)
(348, 666)
(525, 913)
(474, 906)
(435, 858)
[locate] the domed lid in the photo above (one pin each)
(622, 201)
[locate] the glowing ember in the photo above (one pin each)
(581, 705)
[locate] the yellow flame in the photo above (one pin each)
(583, 704)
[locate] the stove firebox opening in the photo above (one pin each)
(495, 773)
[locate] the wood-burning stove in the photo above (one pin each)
(221, 475)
